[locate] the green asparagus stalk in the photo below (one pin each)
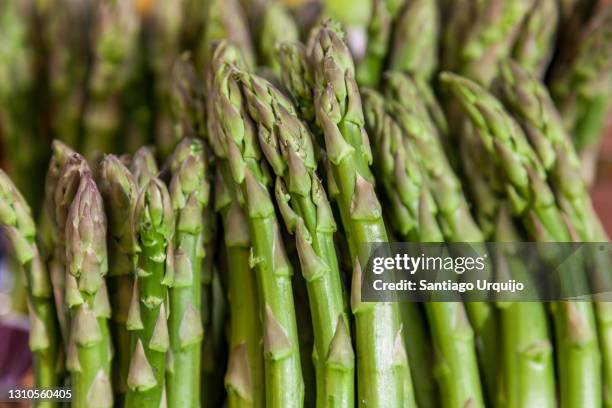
(120, 194)
(414, 212)
(382, 380)
(395, 165)
(26, 150)
(458, 17)
(244, 379)
(379, 33)
(90, 351)
(533, 202)
(297, 78)
(189, 192)
(226, 20)
(187, 99)
(49, 234)
(528, 374)
(581, 88)
(143, 166)
(17, 225)
(414, 44)
(288, 147)
(147, 316)
(283, 378)
(533, 48)
(490, 37)
(531, 104)
(113, 53)
(276, 25)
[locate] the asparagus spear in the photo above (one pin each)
(50, 234)
(395, 165)
(90, 351)
(298, 79)
(527, 375)
(533, 48)
(226, 20)
(531, 104)
(276, 25)
(113, 51)
(147, 316)
(490, 37)
(143, 166)
(120, 194)
(283, 378)
(23, 138)
(581, 88)
(288, 148)
(414, 44)
(45, 341)
(379, 33)
(189, 192)
(533, 202)
(382, 380)
(414, 213)
(244, 379)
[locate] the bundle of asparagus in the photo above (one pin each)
(165, 276)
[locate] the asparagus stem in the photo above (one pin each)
(287, 145)
(147, 317)
(581, 88)
(244, 379)
(283, 378)
(276, 25)
(89, 352)
(414, 44)
(413, 214)
(532, 106)
(532, 200)
(382, 380)
(189, 191)
(533, 48)
(120, 194)
(45, 340)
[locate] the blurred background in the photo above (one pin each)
(98, 75)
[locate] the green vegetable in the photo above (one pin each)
(89, 351)
(414, 44)
(244, 379)
(489, 38)
(581, 87)
(154, 223)
(18, 227)
(533, 48)
(283, 378)
(225, 19)
(189, 193)
(531, 104)
(276, 25)
(533, 202)
(414, 215)
(379, 31)
(382, 379)
(120, 194)
(287, 145)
